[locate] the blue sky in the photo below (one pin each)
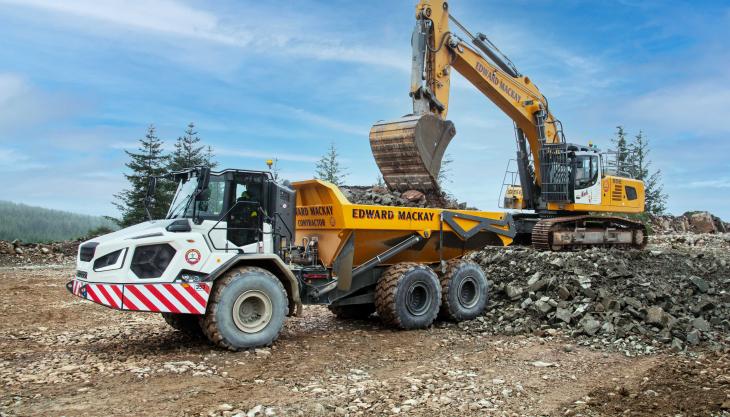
(80, 80)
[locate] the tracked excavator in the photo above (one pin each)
(571, 189)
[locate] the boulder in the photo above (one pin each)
(543, 305)
(513, 292)
(699, 283)
(702, 222)
(655, 315)
(563, 314)
(693, 337)
(589, 325)
(413, 196)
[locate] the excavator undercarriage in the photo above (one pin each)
(586, 231)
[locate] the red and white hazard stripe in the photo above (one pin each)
(109, 295)
(167, 298)
(164, 298)
(76, 287)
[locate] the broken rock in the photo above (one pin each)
(589, 325)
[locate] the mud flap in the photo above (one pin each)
(342, 266)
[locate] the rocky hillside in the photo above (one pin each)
(17, 253)
(690, 222)
(676, 294)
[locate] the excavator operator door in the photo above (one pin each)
(587, 178)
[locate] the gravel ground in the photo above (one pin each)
(63, 356)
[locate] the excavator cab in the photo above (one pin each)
(586, 170)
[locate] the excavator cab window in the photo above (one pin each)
(585, 171)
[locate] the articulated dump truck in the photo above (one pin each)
(238, 252)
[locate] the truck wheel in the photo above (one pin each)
(353, 312)
(465, 290)
(408, 296)
(185, 323)
(246, 309)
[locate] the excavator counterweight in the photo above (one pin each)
(409, 151)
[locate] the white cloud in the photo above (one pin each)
(716, 183)
(173, 18)
(13, 161)
(327, 122)
(21, 104)
(694, 107)
(163, 16)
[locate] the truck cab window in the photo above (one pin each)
(244, 222)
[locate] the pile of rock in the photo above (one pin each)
(690, 222)
(667, 296)
(17, 253)
(382, 196)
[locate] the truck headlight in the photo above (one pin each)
(150, 261)
(110, 261)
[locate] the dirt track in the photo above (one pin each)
(63, 356)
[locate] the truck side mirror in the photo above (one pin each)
(204, 178)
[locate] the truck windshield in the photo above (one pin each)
(183, 197)
(208, 206)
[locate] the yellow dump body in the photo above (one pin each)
(323, 213)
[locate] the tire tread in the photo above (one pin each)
(386, 292)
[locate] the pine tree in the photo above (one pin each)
(329, 169)
(147, 162)
(188, 153)
(640, 168)
(209, 158)
(622, 149)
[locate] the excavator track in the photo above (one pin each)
(409, 151)
(583, 232)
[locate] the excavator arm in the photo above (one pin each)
(409, 151)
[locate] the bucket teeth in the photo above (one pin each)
(409, 151)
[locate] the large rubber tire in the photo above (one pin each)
(464, 289)
(408, 296)
(185, 323)
(246, 309)
(353, 312)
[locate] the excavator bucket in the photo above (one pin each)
(409, 151)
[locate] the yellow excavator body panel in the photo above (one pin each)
(513, 199)
(618, 195)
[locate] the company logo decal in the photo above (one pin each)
(192, 256)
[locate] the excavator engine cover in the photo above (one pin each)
(409, 151)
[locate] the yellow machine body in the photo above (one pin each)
(513, 198)
(616, 197)
(325, 214)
